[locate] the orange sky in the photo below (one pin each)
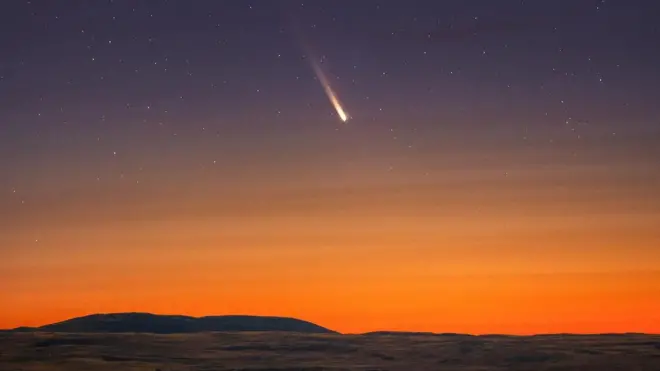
(499, 170)
(563, 249)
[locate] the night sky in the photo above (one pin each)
(499, 170)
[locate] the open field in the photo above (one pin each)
(286, 351)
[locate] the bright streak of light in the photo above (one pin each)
(329, 92)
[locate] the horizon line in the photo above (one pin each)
(378, 331)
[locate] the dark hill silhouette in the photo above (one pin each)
(165, 324)
(410, 333)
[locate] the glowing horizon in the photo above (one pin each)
(514, 257)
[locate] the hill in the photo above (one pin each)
(166, 324)
(407, 333)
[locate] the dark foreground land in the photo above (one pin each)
(286, 351)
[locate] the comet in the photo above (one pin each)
(332, 96)
(323, 79)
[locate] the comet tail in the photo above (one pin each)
(329, 92)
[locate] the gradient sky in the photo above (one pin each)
(500, 172)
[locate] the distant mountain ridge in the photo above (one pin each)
(409, 333)
(175, 324)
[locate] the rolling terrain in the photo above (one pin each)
(262, 351)
(142, 341)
